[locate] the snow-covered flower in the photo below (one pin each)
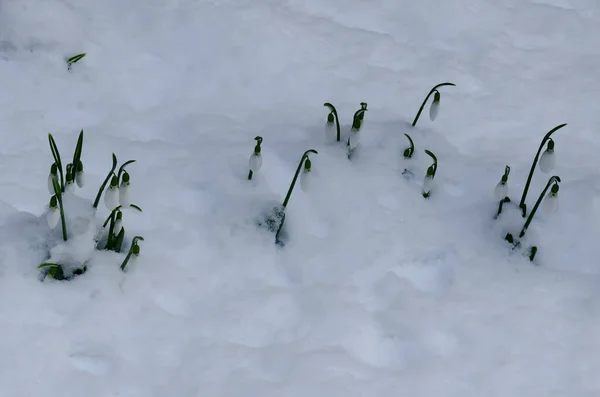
(305, 177)
(255, 162)
(353, 139)
(124, 196)
(118, 223)
(501, 191)
(427, 185)
(330, 129)
(79, 176)
(550, 203)
(548, 159)
(435, 106)
(111, 195)
(53, 214)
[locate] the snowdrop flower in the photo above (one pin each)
(550, 204)
(70, 187)
(330, 131)
(124, 196)
(53, 174)
(79, 176)
(428, 182)
(118, 223)
(501, 191)
(548, 159)
(331, 118)
(255, 162)
(53, 214)
(435, 106)
(305, 176)
(111, 195)
(353, 139)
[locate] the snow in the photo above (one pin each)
(377, 291)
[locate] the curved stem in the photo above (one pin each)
(412, 146)
(426, 98)
(337, 120)
(289, 193)
(357, 119)
(122, 168)
(108, 177)
(535, 160)
(133, 243)
(56, 155)
(551, 181)
(435, 162)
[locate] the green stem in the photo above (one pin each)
(552, 180)
(535, 160)
(122, 168)
(337, 121)
(250, 173)
(58, 195)
(56, 155)
(426, 98)
(77, 153)
(411, 149)
(289, 193)
(108, 177)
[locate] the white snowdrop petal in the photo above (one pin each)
(118, 226)
(427, 184)
(547, 162)
(305, 182)
(354, 139)
(80, 179)
(52, 217)
(124, 197)
(501, 191)
(255, 162)
(330, 131)
(111, 198)
(50, 185)
(433, 110)
(550, 204)
(70, 188)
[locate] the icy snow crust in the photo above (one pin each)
(378, 292)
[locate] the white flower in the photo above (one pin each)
(80, 178)
(124, 196)
(550, 204)
(118, 226)
(50, 185)
(427, 184)
(330, 131)
(305, 180)
(52, 217)
(255, 162)
(434, 109)
(501, 191)
(111, 197)
(354, 139)
(70, 187)
(547, 161)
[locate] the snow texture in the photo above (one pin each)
(378, 291)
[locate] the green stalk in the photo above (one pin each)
(58, 195)
(434, 89)
(289, 193)
(122, 168)
(56, 155)
(337, 121)
(553, 180)
(522, 204)
(435, 162)
(108, 178)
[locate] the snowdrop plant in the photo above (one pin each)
(550, 205)
(113, 194)
(255, 162)
(331, 118)
(134, 251)
(501, 191)
(276, 218)
(429, 175)
(116, 231)
(74, 59)
(56, 210)
(435, 105)
(409, 151)
(357, 122)
(547, 162)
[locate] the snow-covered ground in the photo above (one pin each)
(378, 292)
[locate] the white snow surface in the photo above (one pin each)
(378, 292)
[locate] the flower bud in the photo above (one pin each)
(305, 177)
(53, 214)
(548, 159)
(111, 195)
(255, 162)
(435, 106)
(501, 191)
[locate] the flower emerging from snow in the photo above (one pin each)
(428, 182)
(501, 191)
(53, 174)
(79, 176)
(118, 223)
(330, 129)
(305, 176)
(53, 214)
(111, 195)
(124, 196)
(255, 162)
(550, 204)
(548, 159)
(435, 106)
